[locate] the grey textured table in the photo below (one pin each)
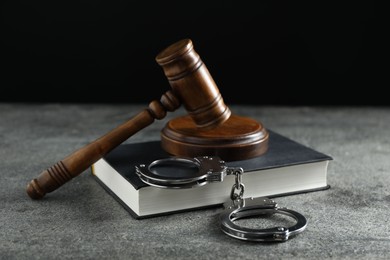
(81, 221)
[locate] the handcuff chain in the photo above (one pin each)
(238, 185)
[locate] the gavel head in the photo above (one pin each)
(193, 85)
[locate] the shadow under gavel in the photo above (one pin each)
(192, 86)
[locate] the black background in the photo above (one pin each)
(262, 53)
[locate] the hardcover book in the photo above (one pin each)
(287, 168)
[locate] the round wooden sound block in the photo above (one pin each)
(238, 138)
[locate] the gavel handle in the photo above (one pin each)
(77, 162)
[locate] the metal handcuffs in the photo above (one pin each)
(207, 169)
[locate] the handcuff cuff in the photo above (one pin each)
(208, 169)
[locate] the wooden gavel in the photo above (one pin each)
(192, 86)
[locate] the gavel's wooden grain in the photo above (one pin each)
(192, 86)
(77, 162)
(238, 138)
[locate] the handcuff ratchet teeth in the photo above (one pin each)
(207, 169)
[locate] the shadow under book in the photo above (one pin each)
(287, 168)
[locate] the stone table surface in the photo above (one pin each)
(351, 220)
